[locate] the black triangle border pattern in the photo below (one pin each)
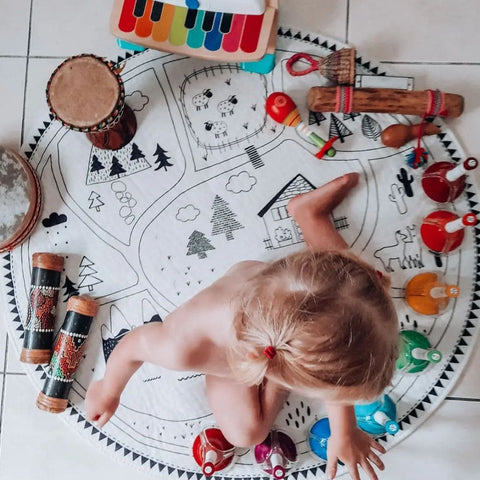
(412, 416)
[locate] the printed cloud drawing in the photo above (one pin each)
(243, 182)
(137, 101)
(187, 213)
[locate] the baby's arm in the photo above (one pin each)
(349, 444)
(312, 212)
(154, 343)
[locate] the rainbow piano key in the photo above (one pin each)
(195, 32)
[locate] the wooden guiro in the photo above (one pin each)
(385, 100)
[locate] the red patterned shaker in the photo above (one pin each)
(40, 324)
(68, 352)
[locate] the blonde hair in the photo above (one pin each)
(330, 320)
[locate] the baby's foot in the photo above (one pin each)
(322, 200)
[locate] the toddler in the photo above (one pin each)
(319, 322)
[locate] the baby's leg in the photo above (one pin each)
(244, 414)
(312, 212)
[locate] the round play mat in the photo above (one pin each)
(204, 184)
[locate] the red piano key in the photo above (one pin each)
(232, 39)
(144, 25)
(127, 20)
(251, 33)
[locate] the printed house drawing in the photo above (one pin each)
(282, 230)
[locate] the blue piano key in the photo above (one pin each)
(213, 38)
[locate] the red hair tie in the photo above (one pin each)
(270, 352)
(379, 274)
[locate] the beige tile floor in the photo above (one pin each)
(435, 41)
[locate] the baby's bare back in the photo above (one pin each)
(203, 324)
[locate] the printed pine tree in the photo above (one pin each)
(350, 116)
(136, 153)
(70, 289)
(315, 118)
(95, 201)
(198, 244)
(86, 273)
(162, 159)
(96, 165)
(116, 168)
(371, 128)
(223, 219)
(338, 129)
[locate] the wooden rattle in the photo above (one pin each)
(384, 100)
(443, 231)
(339, 67)
(281, 108)
(40, 324)
(68, 352)
(395, 136)
(445, 181)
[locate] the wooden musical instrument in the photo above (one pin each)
(39, 327)
(214, 35)
(20, 198)
(384, 100)
(67, 353)
(395, 136)
(86, 94)
(339, 66)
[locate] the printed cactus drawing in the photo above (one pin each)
(397, 196)
(406, 180)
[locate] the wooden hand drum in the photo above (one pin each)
(20, 199)
(86, 94)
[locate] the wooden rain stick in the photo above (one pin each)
(383, 100)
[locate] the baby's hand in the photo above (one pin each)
(353, 450)
(100, 405)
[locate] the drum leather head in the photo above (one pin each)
(19, 199)
(84, 91)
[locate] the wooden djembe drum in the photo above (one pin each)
(20, 199)
(86, 94)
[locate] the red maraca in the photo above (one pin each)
(445, 181)
(281, 108)
(443, 231)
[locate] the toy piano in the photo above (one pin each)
(224, 30)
